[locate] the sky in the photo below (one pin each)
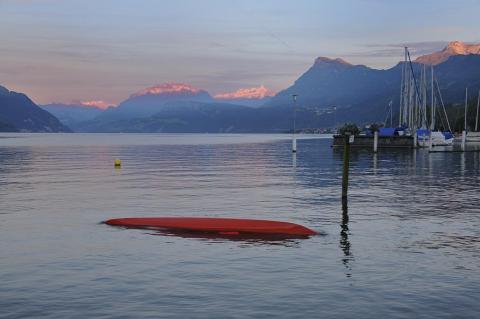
(105, 50)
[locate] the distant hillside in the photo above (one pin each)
(154, 109)
(179, 116)
(151, 100)
(72, 115)
(457, 73)
(6, 127)
(198, 117)
(334, 82)
(18, 112)
(361, 94)
(246, 102)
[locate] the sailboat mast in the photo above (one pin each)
(391, 113)
(402, 95)
(419, 119)
(432, 123)
(409, 114)
(443, 104)
(466, 106)
(476, 118)
(416, 94)
(424, 111)
(406, 109)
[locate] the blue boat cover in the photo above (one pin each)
(448, 135)
(386, 131)
(423, 132)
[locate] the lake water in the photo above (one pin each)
(409, 249)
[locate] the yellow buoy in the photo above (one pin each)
(118, 163)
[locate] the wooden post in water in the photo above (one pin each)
(464, 132)
(294, 139)
(346, 164)
(375, 141)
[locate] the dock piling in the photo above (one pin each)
(375, 141)
(430, 141)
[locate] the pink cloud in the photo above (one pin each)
(246, 93)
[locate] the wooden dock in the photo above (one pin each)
(363, 141)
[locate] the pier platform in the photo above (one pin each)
(364, 141)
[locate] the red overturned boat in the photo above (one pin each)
(221, 226)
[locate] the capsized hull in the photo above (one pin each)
(230, 226)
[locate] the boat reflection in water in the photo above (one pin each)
(288, 240)
(245, 239)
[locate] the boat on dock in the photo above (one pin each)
(438, 138)
(474, 136)
(386, 139)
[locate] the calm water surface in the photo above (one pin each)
(410, 247)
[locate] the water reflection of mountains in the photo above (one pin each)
(412, 183)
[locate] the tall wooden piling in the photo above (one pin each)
(346, 165)
(464, 132)
(375, 141)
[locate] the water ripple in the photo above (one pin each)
(406, 244)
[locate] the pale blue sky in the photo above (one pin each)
(67, 50)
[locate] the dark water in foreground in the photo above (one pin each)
(411, 248)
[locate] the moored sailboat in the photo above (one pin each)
(413, 108)
(474, 136)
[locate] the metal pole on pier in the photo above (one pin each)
(294, 140)
(334, 119)
(476, 118)
(432, 115)
(346, 164)
(464, 132)
(466, 108)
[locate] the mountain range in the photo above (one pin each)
(19, 114)
(330, 92)
(453, 48)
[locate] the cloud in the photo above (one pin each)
(396, 49)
